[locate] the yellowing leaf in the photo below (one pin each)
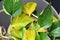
(21, 21)
(42, 30)
(30, 35)
(15, 33)
(55, 19)
(29, 7)
(18, 34)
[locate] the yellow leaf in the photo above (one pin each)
(55, 19)
(29, 7)
(42, 30)
(29, 35)
(16, 33)
(21, 21)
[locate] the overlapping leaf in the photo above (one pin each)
(55, 29)
(45, 19)
(21, 21)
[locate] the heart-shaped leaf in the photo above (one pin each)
(21, 21)
(29, 7)
(45, 19)
(55, 29)
(12, 7)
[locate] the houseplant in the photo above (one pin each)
(22, 24)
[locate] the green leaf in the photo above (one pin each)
(32, 27)
(55, 29)
(37, 26)
(12, 7)
(37, 36)
(45, 19)
(44, 36)
(21, 21)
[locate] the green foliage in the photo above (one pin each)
(37, 37)
(12, 7)
(55, 29)
(21, 20)
(45, 19)
(44, 36)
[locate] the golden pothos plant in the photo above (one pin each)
(25, 26)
